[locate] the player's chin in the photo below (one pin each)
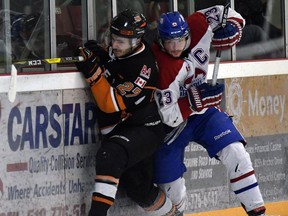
(175, 54)
(118, 53)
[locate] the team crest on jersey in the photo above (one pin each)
(212, 15)
(140, 82)
(145, 72)
(198, 78)
(183, 91)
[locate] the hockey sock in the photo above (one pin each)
(104, 195)
(161, 206)
(242, 177)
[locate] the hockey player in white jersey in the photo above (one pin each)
(189, 106)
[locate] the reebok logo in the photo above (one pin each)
(222, 134)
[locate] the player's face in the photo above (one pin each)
(175, 47)
(121, 46)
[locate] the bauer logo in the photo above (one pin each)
(258, 104)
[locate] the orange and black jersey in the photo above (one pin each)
(125, 90)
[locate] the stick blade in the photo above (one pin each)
(13, 84)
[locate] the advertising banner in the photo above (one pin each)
(258, 104)
(47, 150)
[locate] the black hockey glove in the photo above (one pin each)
(205, 95)
(89, 66)
(98, 50)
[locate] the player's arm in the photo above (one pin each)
(230, 35)
(168, 107)
(107, 98)
(171, 97)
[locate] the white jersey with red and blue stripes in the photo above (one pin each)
(175, 76)
(211, 128)
(178, 74)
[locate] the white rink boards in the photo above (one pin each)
(49, 137)
(48, 145)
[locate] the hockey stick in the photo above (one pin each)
(218, 53)
(13, 84)
(34, 62)
(13, 79)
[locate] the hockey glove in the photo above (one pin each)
(205, 96)
(226, 38)
(89, 66)
(98, 50)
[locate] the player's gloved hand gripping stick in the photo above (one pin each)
(205, 96)
(218, 53)
(83, 55)
(90, 66)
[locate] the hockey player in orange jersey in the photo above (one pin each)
(123, 83)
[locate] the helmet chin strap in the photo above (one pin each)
(187, 44)
(135, 43)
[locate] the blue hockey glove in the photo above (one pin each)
(226, 38)
(89, 66)
(205, 96)
(98, 50)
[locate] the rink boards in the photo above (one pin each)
(49, 138)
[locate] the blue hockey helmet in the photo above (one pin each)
(172, 25)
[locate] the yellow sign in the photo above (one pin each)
(258, 104)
